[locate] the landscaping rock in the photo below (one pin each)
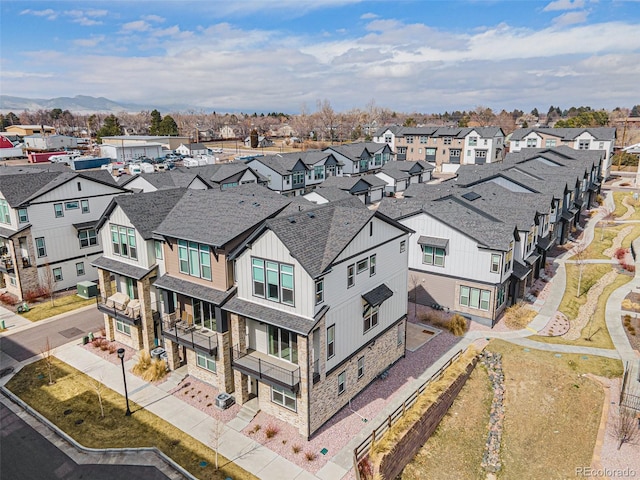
(491, 457)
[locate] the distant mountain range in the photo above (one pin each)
(78, 104)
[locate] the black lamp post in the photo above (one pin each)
(124, 377)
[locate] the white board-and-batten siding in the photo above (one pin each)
(146, 254)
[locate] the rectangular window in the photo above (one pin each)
(475, 298)
(342, 380)
(550, 142)
(319, 291)
(286, 282)
(351, 280)
(4, 212)
(583, 145)
(372, 265)
(79, 186)
(57, 208)
(331, 341)
(283, 344)
(207, 362)
(298, 178)
(80, 269)
(473, 141)
(495, 262)
(72, 205)
(158, 249)
(84, 205)
(22, 215)
(360, 367)
(115, 242)
(194, 259)
(433, 255)
(123, 327)
(87, 238)
(57, 274)
(257, 272)
(532, 142)
(447, 140)
(41, 248)
(318, 172)
(362, 265)
(283, 397)
(409, 138)
(272, 281)
(403, 246)
(370, 317)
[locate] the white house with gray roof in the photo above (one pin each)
(368, 188)
(320, 310)
(399, 175)
(595, 138)
(47, 225)
(361, 157)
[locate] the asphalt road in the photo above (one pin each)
(30, 342)
(27, 455)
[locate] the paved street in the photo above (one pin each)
(25, 343)
(27, 455)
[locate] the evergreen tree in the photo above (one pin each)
(110, 127)
(635, 111)
(168, 126)
(156, 119)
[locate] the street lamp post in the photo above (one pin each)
(124, 377)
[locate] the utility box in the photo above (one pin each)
(87, 289)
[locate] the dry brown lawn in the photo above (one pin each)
(455, 450)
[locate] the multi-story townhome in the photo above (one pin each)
(399, 175)
(600, 138)
(151, 182)
(297, 173)
(449, 147)
(131, 261)
(481, 239)
(197, 236)
(361, 157)
(47, 225)
(320, 310)
(368, 188)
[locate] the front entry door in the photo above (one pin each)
(253, 387)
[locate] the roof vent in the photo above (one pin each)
(291, 220)
(311, 215)
(471, 196)
(256, 204)
(241, 202)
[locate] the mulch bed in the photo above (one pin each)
(633, 332)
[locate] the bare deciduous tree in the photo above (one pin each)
(48, 282)
(47, 356)
(216, 437)
(98, 387)
(624, 427)
(580, 257)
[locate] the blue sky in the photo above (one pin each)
(409, 56)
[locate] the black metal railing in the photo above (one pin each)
(124, 312)
(251, 364)
(189, 335)
(6, 264)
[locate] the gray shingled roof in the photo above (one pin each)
(122, 268)
(214, 217)
(354, 151)
(166, 180)
(378, 295)
(257, 311)
(147, 210)
(191, 289)
(347, 183)
(332, 194)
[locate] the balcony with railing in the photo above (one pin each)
(266, 368)
(6, 264)
(120, 307)
(189, 335)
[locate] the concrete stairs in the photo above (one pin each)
(247, 413)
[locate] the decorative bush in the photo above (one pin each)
(9, 299)
(96, 342)
(144, 362)
(620, 253)
(296, 449)
(310, 456)
(271, 431)
(112, 348)
(457, 325)
(104, 344)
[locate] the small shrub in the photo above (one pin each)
(156, 371)
(144, 362)
(630, 268)
(96, 342)
(112, 348)
(284, 442)
(9, 299)
(365, 469)
(209, 404)
(256, 428)
(296, 449)
(620, 253)
(104, 344)
(457, 325)
(271, 431)
(32, 295)
(310, 456)
(103, 332)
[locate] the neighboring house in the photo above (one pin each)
(481, 239)
(320, 310)
(297, 173)
(50, 142)
(168, 142)
(446, 147)
(633, 149)
(24, 130)
(150, 182)
(361, 157)
(399, 175)
(10, 148)
(323, 194)
(226, 175)
(198, 236)
(262, 142)
(131, 261)
(228, 132)
(600, 138)
(192, 149)
(126, 151)
(47, 225)
(368, 188)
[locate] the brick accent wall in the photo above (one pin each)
(238, 338)
(324, 399)
(173, 354)
(202, 373)
(146, 333)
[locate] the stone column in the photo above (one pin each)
(106, 290)
(146, 328)
(305, 399)
(223, 367)
(239, 343)
(172, 353)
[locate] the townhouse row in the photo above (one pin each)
(482, 239)
(296, 307)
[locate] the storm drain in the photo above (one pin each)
(71, 332)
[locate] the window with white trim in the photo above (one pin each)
(5, 217)
(206, 362)
(342, 380)
(473, 141)
(474, 298)
(351, 279)
(41, 248)
(272, 280)
(284, 397)
(319, 291)
(372, 265)
(123, 242)
(361, 367)
(362, 265)
(72, 205)
(157, 247)
(58, 211)
(370, 317)
(84, 205)
(57, 274)
(194, 259)
(532, 142)
(433, 255)
(331, 341)
(123, 327)
(87, 238)
(495, 262)
(403, 245)
(80, 269)
(550, 142)
(22, 215)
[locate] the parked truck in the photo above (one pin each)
(85, 163)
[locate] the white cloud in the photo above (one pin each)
(89, 42)
(368, 16)
(86, 18)
(153, 18)
(137, 26)
(49, 13)
(571, 18)
(563, 5)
